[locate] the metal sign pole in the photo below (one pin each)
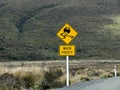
(67, 70)
(115, 70)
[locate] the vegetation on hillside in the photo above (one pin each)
(28, 28)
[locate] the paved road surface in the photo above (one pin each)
(102, 84)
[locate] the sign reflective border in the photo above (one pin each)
(67, 50)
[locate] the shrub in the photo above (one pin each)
(52, 76)
(29, 80)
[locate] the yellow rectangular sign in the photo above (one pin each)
(67, 50)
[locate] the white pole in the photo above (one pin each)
(67, 70)
(115, 70)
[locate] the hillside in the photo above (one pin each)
(28, 28)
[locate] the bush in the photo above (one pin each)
(52, 76)
(30, 80)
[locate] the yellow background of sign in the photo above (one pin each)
(67, 50)
(73, 33)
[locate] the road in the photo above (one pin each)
(102, 84)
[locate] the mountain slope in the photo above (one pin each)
(28, 28)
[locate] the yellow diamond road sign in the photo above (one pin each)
(67, 33)
(67, 50)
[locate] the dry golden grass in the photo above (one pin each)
(42, 74)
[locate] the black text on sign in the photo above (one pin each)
(67, 50)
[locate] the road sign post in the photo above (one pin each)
(67, 70)
(67, 34)
(115, 70)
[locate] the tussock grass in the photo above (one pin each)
(40, 78)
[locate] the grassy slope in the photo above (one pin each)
(28, 28)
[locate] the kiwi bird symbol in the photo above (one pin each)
(66, 32)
